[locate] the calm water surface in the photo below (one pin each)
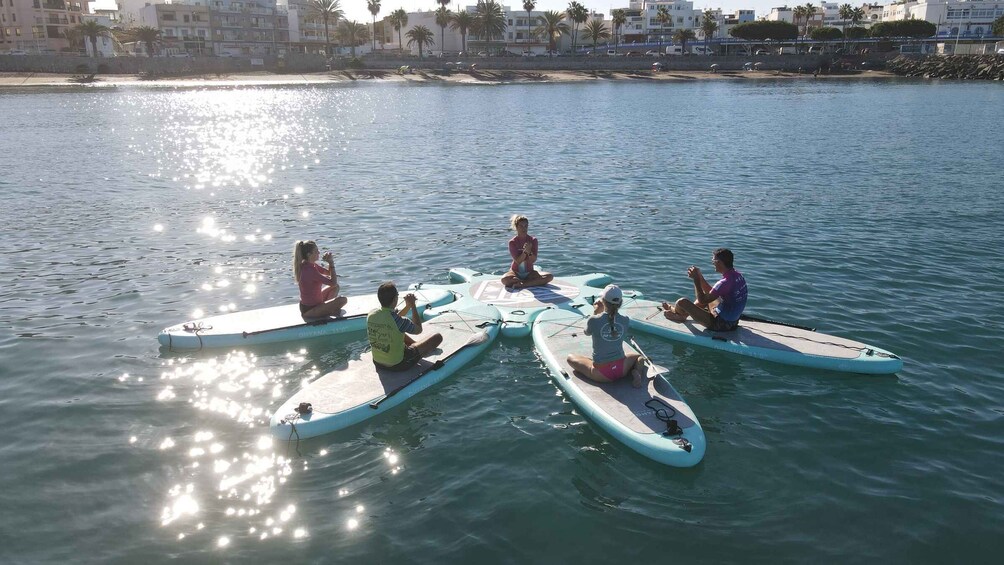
(871, 210)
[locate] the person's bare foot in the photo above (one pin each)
(671, 315)
(638, 374)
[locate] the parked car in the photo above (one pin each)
(633, 54)
(528, 53)
(612, 53)
(553, 53)
(652, 53)
(761, 52)
(17, 52)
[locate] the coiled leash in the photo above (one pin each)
(665, 413)
(195, 327)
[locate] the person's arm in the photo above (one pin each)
(702, 290)
(416, 318)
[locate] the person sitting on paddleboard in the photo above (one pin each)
(608, 330)
(387, 330)
(318, 286)
(729, 292)
(523, 249)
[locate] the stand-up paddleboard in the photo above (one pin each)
(518, 307)
(771, 341)
(281, 323)
(360, 391)
(638, 417)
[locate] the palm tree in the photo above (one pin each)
(489, 21)
(662, 16)
(683, 36)
(798, 14)
(442, 20)
(596, 30)
(330, 11)
(91, 30)
(619, 18)
(552, 27)
(148, 35)
(352, 33)
(578, 14)
(374, 7)
(810, 11)
(528, 5)
(462, 22)
(844, 11)
(399, 19)
(709, 25)
(73, 36)
(857, 14)
(422, 36)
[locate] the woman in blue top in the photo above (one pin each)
(608, 330)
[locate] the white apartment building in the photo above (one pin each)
(105, 43)
(37, 26)
(954, 18)
(726, 22)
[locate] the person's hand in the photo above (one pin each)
(527, 248)
(409, 299)
(598, 307)
(327, 257)
(694, 272)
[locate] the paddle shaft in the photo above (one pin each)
(749, 318)
(476, 338)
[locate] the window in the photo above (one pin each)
(186, 18)
(169, 17)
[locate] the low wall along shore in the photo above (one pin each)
(180, 66)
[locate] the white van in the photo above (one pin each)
(674, 50)
(700, 50)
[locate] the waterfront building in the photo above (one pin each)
(873, 14)
(184, 28)
(726, 21)
(306, 30)
(38, 26)
(954, 18)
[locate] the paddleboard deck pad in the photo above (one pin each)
(281, 323)
(518, 307)
(343, 397)
(764, 340)
(637, 417)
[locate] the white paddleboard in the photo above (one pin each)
(344, 397)
(281, 323)
(622, 411)
(769, 341)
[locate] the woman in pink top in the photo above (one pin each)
(318, 286)
(523, 249)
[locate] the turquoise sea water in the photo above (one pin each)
(870, 210)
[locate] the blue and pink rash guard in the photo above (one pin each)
(732, 291)
(515, 248)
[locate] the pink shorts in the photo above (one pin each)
(613, 370)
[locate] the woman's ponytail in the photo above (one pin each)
(297, 259)
(612, 316)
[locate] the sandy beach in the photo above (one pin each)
(416, 76)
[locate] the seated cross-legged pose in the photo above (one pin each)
(608, 330)
(523, 249)
(392, 348)
(318, 286)
(718, 307)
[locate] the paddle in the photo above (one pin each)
(475, 339)
(774, 322)
(659, 369)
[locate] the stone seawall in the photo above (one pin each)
(181, 66)
(966, 67)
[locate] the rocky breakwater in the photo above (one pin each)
(966, 67)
